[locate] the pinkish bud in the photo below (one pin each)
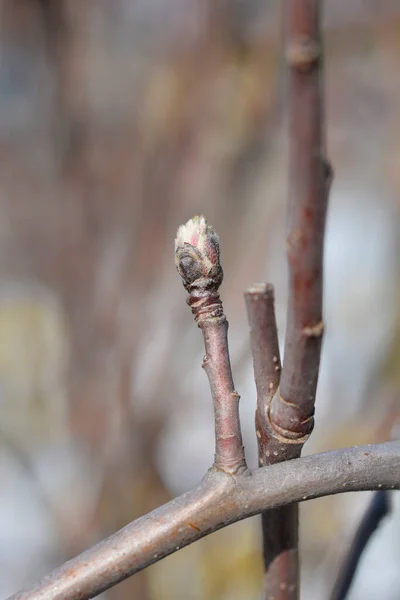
(197, 261)
(197, 254)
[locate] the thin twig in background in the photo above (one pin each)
(378, 508)
(285, 421)
(219, 500)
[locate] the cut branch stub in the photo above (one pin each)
(279, 525)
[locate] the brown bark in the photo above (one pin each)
(279, 526)
(197, 258)
(285, 417)
(229, 452)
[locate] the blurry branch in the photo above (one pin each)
(292, 410)
(378, 508)
(285, 414)
(24, 461)
(65, 25)
(219, 500)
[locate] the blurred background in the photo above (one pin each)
(119, 120)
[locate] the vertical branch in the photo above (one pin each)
(309, 179)
(280, 525)
(285, 419)
(267, 368)
(260, 303)
(197, 261)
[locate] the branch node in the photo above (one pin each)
(287, 402)
(303, 54)
(314, 330)
(288, 436)
(205, 361)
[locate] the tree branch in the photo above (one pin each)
(264, 345)
(197, 260)
(310, 176)
(285, 421)
(280, 525)
(378, 508)
(229, 452)
(221, 499)
(267, 367)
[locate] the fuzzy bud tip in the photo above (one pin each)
(197, 254)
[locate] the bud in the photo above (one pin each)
(197, 262)
(197, 253)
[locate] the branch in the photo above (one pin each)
(265, 347)
(197, 260)
(221, 499)
(285, 421)
(376, 511)
(310, 176)
(279, 526)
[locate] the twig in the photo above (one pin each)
(378, 508)
(285, 421)
(221, 499)
(197, 260)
